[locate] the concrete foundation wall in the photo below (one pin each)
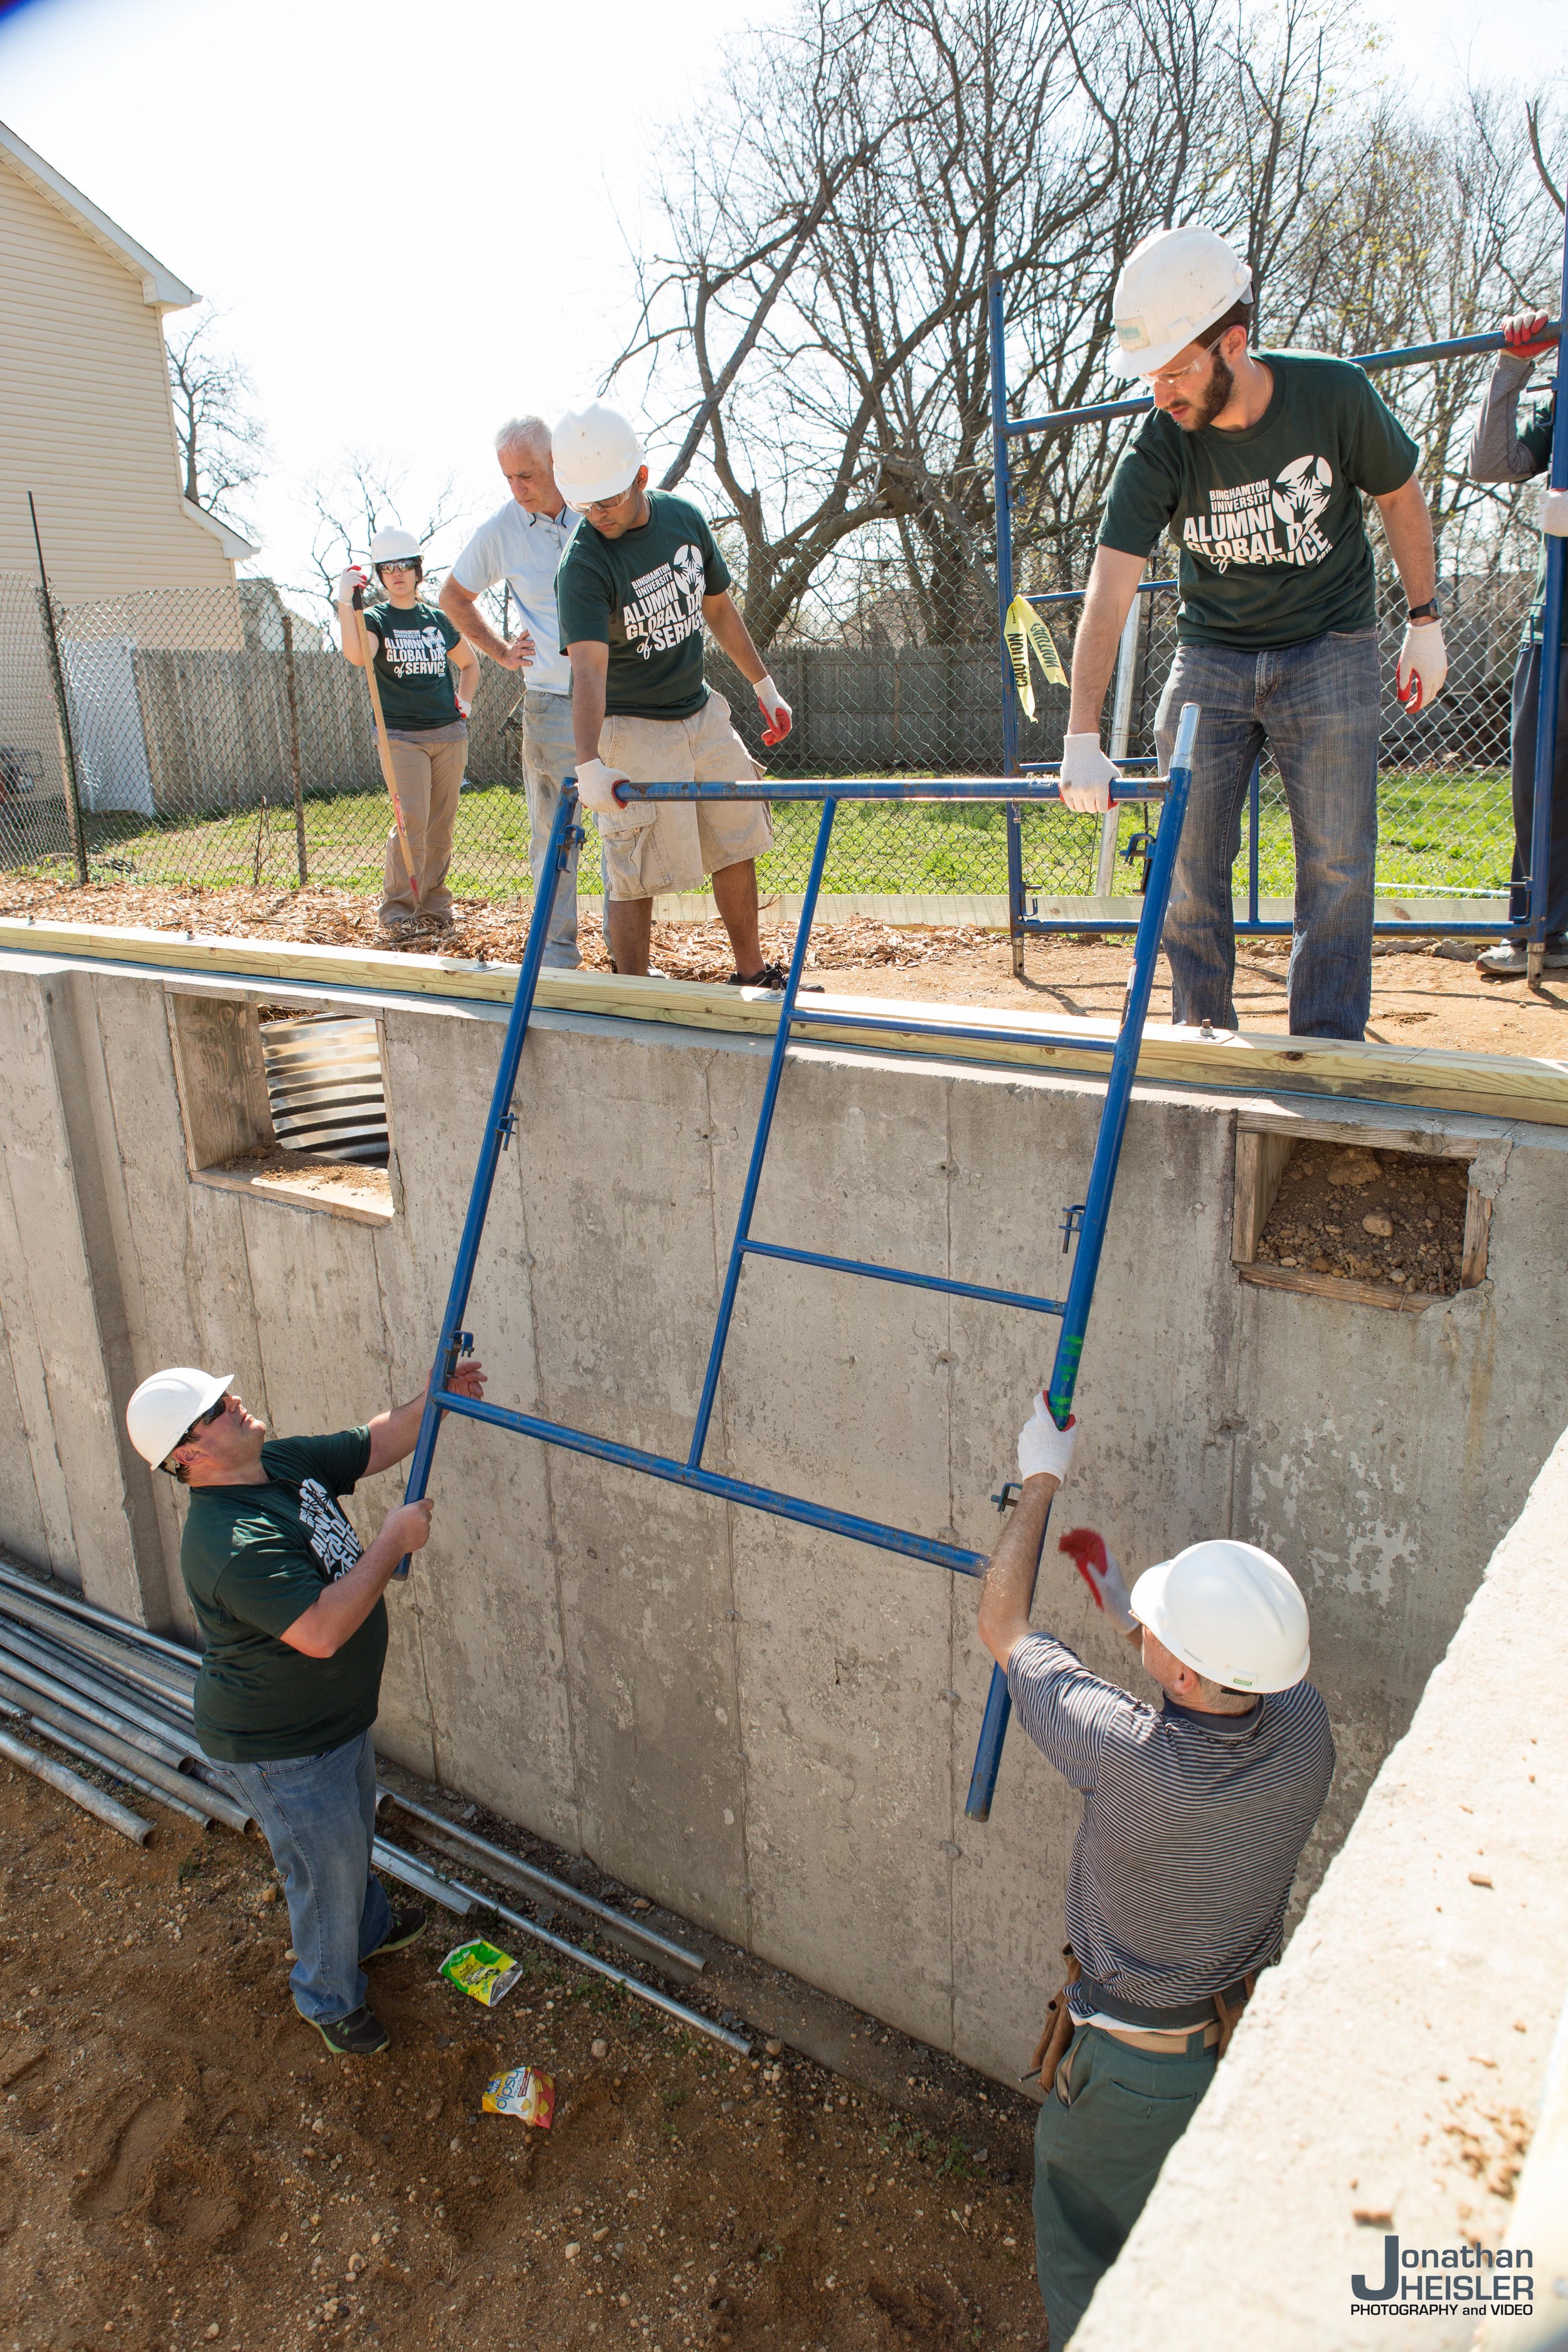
(769, 1729)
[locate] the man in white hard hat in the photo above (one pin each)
(522, 543)
(294, 1639)
(636, 586)
(1256, 462)
(1502, 450)
(416, 651)
(1194, 1815)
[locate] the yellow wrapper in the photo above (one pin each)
(522, 2093)
(481, 1970)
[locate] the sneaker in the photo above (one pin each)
(399, 926)
(1510, 959)
(357, 2035)
(409, 1921)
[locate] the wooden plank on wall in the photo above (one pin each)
(222, 1079)
(1521, 1086)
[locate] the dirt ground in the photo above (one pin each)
(183, 2165)
(1430, 996)
(1391, 1217)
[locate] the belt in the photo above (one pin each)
(1158, 2045)
(1209, 2010)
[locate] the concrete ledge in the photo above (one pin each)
(1386, 2079)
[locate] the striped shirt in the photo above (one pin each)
(1193, 1825)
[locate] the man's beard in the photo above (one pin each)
(1212, 399)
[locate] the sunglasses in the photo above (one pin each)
(202, 1420)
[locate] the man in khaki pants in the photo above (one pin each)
(635, 586)
(414, 649)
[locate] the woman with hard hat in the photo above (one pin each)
(1194, 1816)
(415, 650)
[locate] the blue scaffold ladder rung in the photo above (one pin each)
(1088, 1219)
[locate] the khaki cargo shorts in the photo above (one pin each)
(662, 845)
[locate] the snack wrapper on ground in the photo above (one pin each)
(520, 2092)
(481, 1970)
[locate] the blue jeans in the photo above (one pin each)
(1317, 706)
(549, 755)
(1526, 702)
(318, 1813)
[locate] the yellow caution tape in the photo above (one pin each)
(1024, 630)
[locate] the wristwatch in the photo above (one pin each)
(1428, 611)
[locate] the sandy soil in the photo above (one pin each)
(1370, 1216)
(1431, 997)
(181, 2165)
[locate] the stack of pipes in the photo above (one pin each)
(123, 1699)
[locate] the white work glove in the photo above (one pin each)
(596, 784)
(1554, 513)
(775, 710)
(1087, 776)
(1042, 1446)
(1422, 665)
(348, 582)
(463, 707)
(1098, 1567)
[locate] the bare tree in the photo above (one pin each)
(222, 441)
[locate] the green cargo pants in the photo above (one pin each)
(1110, 2119)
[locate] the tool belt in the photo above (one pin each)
(1222, 2010)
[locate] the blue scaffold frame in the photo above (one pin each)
(1004, 429)
(1084, 1223)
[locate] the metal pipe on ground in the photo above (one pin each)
(24, 1684)
(80, 1793)
(121, 1772)
(413, 1872)
(183, 1787)
(41, 1657)
(529, 1875)
(153, 1673)
(574, 1952)
(75, 1606)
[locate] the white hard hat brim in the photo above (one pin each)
(604, 486)
(159, 1432)
(1147, 1601)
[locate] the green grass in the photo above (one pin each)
(1441, 832)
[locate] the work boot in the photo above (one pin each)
(409, 1921)
(771, 975)
(357, 2035)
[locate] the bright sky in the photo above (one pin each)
(421, 220)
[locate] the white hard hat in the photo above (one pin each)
(164, 1406)
(1172, 286)
(596, 455)
(394, 546)
(1230, 1611)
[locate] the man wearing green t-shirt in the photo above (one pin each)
(1255, 463)
(1504, 450)
(635, 587)
(294, 1639)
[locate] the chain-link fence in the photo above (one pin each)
(219, 739)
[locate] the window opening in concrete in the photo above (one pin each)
(284, 1105)
(1350, 1215)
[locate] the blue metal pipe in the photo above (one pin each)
(1048, 926)
(760, 1141)
(914, 1281)
(497, 1135)
(1075, 595)
(924, 789)
(1414, 356)
(1097, 1200)
(1548, 717)
(726, 1490)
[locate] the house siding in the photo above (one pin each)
(85, 421)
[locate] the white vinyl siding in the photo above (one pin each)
(85, 421)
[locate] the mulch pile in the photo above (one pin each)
(346, 918)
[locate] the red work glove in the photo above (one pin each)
(1098, 1567)
(775, 710)
(1522, 334)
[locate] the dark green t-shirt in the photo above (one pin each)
(1268, 520)
(411, 669)
(641, 595)
(254, 1559)
(1536, 437)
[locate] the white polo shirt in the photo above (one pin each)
(524, 550)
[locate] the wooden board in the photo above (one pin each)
(1518, 1086)
(1337, 1286)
